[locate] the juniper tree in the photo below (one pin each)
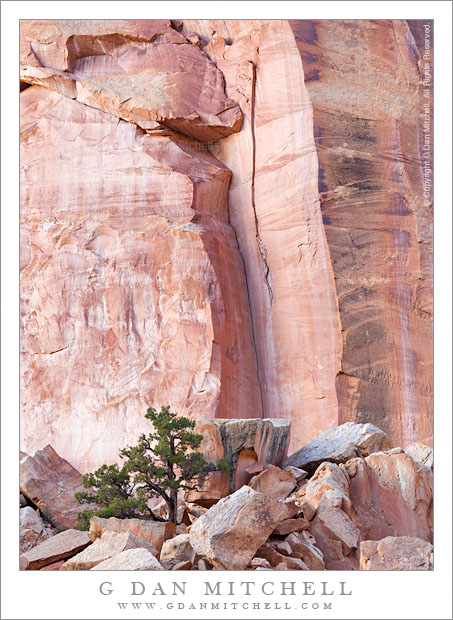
(162, 464)
(167, 461)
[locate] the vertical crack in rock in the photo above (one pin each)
(259, 241)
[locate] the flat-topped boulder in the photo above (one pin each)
(248, 445)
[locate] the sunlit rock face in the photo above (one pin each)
(223, 216)
(364, 81)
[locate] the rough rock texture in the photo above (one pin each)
(110, 545)
(401, 553)
(59, 547)
(274, 208)
(303, 546)
(32, 530)
(177, 549)
(384, 494)
(152, 532)
(392, 495)
(133, 290)
(364, 81)
(50, 482)
(146, 73)
(132, 559)
(274, 482)
(248, 445)
(152, 276)
(340, 444)
(229, 534)
(421, 453)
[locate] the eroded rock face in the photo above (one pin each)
(364, 82)
(274, 208)
(140, 286)
(133, 290)
(144, 72)
(50, 482)
(400, 553)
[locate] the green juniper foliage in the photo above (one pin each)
(163, 463)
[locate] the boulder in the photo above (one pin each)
(110, 545)
(229, 534)
(391, 495)
(153, 532)
(182, 565)
(303, 546)
(340, 444)
(58, 547)
(396, 553)
(332, 524)
(177, 549)
(22, 501)
(248, 445)
(50, 482)
(296, 473)
(53, 566)
(32, 530)
(421, 453)
(291, 525)
(131, 559)
(270, 553)
(274, 482)
(259, 563)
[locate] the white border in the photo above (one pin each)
(380, 595)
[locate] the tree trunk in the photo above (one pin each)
(173, 507)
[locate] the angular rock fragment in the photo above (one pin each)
(270, 553)
(131, 559)
(177, 549)
(303, 546)
(396, 553)
(291, 525)
(421, 453)
(340, 444)
(32, 530)
(229, 534)
(274, 482)
(153, 532)
(50, 482)
(58, 547)
(110, 545)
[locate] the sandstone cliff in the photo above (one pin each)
(179, 246)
